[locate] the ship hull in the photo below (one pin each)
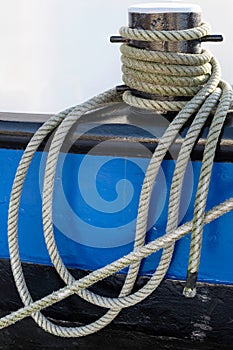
(166, 319)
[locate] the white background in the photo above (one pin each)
(56, 53)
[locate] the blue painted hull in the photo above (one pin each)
(96, 199)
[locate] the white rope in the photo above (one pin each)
(117, 265)
(211, 94)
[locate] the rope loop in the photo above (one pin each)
(197, 59)
(164, 73)
(166, 35)
(160, 73)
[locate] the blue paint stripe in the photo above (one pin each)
(95, 209)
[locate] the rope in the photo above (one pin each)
(154, 72)
(108, 270)
(166, 35)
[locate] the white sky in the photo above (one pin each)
(56, 53)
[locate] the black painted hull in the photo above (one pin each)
(165, 320)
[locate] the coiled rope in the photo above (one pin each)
(142, 70)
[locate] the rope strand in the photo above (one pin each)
(155, 72)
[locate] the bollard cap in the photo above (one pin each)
(165, 7)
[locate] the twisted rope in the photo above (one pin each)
(164, 74)
(176, 74)
(166, 35)
(117, 265)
